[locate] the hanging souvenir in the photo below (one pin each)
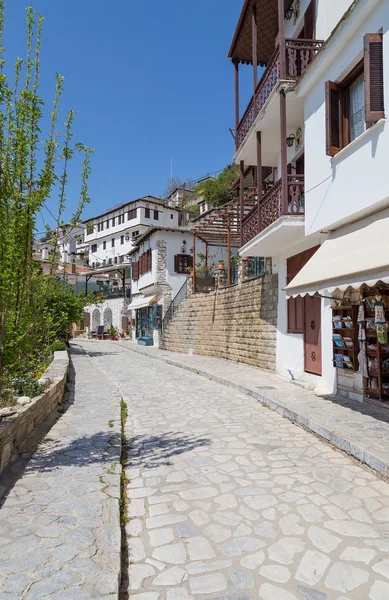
(380, 321)
(362, 359)
(362, 323)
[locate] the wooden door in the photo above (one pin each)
(87, 319)
(312, 335)
(300, 165)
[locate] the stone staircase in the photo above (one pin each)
(236, 323)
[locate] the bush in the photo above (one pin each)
(27, 386)
(56, 346)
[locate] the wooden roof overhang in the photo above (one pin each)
(221, 225)
(267, 26)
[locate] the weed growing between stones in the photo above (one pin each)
(123, 503)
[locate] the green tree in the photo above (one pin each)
(33, 169)
(219, 191)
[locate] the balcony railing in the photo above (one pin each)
(270, 207)
(299, 55)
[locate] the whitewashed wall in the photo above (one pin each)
(354, 182)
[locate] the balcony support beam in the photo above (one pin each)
(228, 250)
(284, 156)
(194, 266)
(281, 36)
(259, 177)
(254, 42)
(236, 81)
(241, 198)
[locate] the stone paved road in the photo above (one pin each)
(229, 499)
(59, 525)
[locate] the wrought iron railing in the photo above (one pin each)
(178, 299)
(113, 292)
(255, 266)
(299, 55)
(270, 207)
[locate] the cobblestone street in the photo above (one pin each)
(226, 498)
(229, 499)
(59, 523)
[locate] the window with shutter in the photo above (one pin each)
(135, 271)
(295, 306)
(374, 77)
(333, 118)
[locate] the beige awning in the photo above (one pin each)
(352, 256)
(142, 301)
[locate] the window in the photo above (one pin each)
(113, 243)
(182, 262)
(156, 215)
(135, 271)
(145, 262)
(171, 215)
(90, 229)
(120, 219)
(131, 214)
(107, 224)
(147, 213)
(110, 261)
(296, 306)
(358, 100)
(135, 233)
(100, 227)
(93, 248)
(104, 245)
(113, 221)
(115, 260)
(122, 239)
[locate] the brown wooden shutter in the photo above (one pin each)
(309, 21)
(333, 118)
(374, 78)
(176, 263)
(135, 271)
(296, 306)
(86, 319)
(190, 261)
(124, 323)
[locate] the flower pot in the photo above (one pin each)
(221, 264)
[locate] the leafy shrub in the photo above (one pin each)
(27, 385)
(57, 345)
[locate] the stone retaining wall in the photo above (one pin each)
(15, 429)
(238, 323)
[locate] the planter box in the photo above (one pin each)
(15, 429)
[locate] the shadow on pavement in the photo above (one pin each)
(151, 452)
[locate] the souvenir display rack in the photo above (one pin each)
(345, 357)
(377, 385)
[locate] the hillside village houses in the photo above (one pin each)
(306, 234)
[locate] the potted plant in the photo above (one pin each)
(220, 264)
(122, 334)
(113, 333)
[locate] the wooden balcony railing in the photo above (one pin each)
(270, 207)
(299, 55)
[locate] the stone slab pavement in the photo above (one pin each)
(359, 429)
(228, 500)
(59, 518)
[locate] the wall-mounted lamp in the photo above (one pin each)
(289, 13)
(290, 140)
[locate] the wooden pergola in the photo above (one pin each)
(221, 227)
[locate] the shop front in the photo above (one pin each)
(350, 270)
(147, 318)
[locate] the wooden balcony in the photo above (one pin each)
(299, 55)
(270, 207)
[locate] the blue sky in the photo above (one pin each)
(150, 81)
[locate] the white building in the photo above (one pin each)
(112, 235)
(317, 122)
(161, 262)
(346, 97)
